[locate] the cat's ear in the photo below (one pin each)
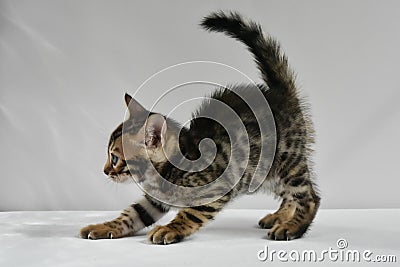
(134, 108)
(156, 128)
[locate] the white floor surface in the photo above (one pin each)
(233, 239)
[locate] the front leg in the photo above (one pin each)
(144, 213)
(186, 222)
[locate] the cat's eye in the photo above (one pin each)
(114, 159)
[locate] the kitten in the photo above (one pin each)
(142, 148)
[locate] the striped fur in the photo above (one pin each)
(150, 137)
(134, 218)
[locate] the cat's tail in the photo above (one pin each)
(270, 60)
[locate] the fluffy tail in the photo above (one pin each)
(270, 60)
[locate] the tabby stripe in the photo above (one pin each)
(294, 163)
(117, 133)
(123, 127)
(193, 218)
(126, 223)
(224, 156)
(299, 195)
(135, 222)
(204, 208)
(289, 159)
(156, 205)
(145, 217)
(296, 181)
(298, 173)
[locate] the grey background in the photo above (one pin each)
(64, 66)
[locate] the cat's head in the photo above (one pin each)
(142, 139)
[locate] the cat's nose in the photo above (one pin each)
(107, 171)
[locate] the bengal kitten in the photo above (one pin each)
(150, 136)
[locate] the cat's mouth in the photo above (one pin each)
(124, 178)
(119, 178)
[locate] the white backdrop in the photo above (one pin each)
(64, 66)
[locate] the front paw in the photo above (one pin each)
(99, 231)
(164, 235)
(269, 221)
(286, 231)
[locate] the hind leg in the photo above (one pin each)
(298, 208)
